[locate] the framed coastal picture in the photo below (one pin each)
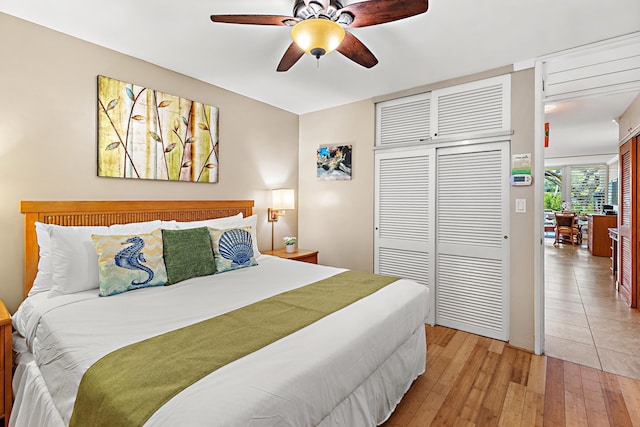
(147, 134)
(334, 162)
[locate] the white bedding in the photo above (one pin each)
(362, 358)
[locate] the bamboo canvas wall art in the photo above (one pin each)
(147, 134)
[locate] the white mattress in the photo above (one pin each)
(323, 371)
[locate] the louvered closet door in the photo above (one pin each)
(626, 252)
(474, 108)
(472, 251)
(404, 216)
(403, 120)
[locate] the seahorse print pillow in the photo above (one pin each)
(232, 248)
(129, 262)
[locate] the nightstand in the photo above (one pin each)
(303, 255)
(6, 361)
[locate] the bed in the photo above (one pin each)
(350, 366)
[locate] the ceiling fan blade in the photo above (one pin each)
(255, 19)
(290, 57)
(356, 51)
(373, 12)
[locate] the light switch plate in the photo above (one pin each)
(521, 205)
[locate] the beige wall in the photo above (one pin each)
(48, 136)
(630, 119)
(522, 238)
(337, 217)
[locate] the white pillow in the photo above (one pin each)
(225, 222)
(43, 281)
(252, 221)
(74, 259)
(169, 225)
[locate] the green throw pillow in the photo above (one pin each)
(187, 254)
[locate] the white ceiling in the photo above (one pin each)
(454, 38)
(585, 127)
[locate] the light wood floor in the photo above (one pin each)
(476, 381)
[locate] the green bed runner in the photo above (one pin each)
(127, 386)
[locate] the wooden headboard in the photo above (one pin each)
(79, 213)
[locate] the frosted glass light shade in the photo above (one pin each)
(283, 198)
(317, 36)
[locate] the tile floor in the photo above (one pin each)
(586, 322)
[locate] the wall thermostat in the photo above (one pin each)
(521, 180)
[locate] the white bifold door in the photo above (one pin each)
(404, 216)
(472, 239)
(441, 219)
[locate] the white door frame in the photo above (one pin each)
(538, 226)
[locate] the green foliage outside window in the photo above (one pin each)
(553, 201)
(553, 189)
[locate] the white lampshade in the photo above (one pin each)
(283, 198)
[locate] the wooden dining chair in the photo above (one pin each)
(566, 227)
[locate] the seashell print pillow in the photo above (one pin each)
(232, 248)
(129, 262)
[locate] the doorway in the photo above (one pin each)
(572, 284)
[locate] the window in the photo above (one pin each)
(553, 189)
(588, 187)
(612, 197)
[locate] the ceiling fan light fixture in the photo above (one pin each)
(317, 36)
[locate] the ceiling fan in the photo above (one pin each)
(318, 26)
